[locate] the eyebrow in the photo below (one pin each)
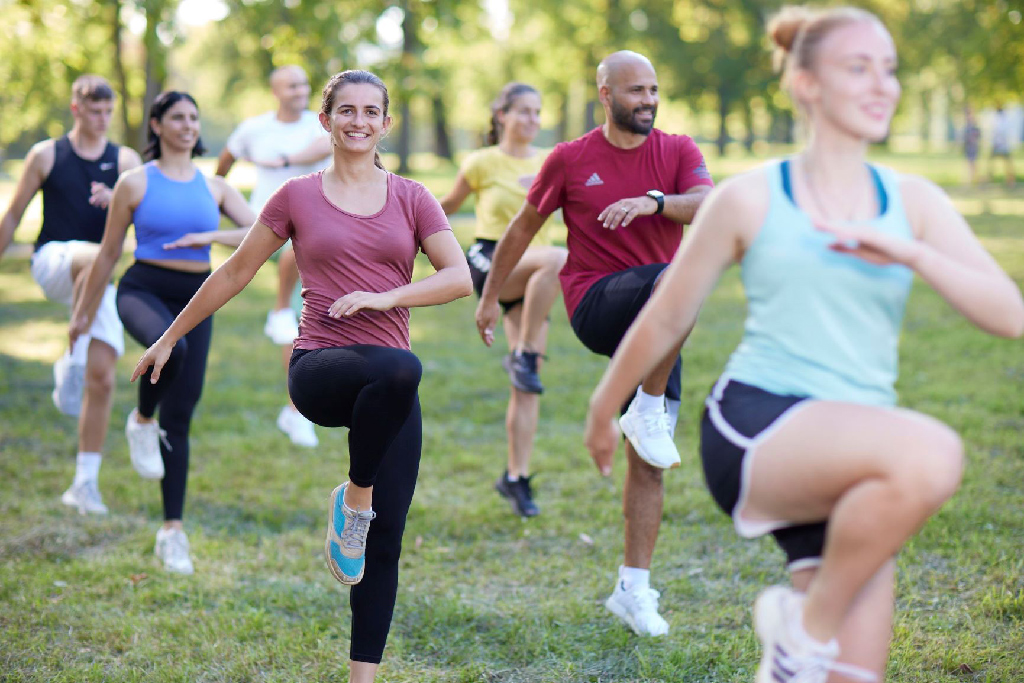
(355, 106)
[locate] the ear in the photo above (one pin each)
(387, 126)
(325, 121)
(604, 95)
(804, 87)
(154, 125)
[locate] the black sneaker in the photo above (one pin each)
(519, 495)
(522, 371)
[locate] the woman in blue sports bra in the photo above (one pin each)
(166, 198)
(801, 436)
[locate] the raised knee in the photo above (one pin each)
(931, 473)
(100, 380)
(405, 372)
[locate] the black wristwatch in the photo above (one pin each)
(658, 196)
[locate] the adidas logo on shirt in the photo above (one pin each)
(594, 179)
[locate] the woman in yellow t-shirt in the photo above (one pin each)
(500, 175)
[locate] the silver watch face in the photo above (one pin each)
(655, 194)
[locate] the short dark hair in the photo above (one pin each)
(91, 88)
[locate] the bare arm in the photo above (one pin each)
(451, 281)
(317, 150)
(451, 202)
(225, 282)
(507, 252)
(128, 192)
(127, 159)
(38, 164)
(709, 247)
(232, 205)
(679, 208)
(947, 256)
(224, 162)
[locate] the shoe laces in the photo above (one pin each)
(646, 599)
(177, 545)
(90, 493)
(525, 487)
(353, 536)
(657, 422)
(154, 428)
(815, 668)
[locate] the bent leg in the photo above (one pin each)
(535, 281)
(876, 474)
(523, 407)
(642, 503)
(98, 398)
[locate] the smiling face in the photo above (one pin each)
(852, 85)
(178, 128)
(630, 97)
(521, 122)
(358, 119)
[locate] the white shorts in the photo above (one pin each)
(51, 269)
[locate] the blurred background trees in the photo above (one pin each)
(444, 60)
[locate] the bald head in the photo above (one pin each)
(613, 67)
(290, 86)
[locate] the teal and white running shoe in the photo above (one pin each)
(345, 547)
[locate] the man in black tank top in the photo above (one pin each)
(77, 173)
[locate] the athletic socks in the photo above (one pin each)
(633, 576)
(87, 467)
(646, 403)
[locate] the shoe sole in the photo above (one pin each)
(634, 441)
(80, 509)
(623, 614)
(336, 573)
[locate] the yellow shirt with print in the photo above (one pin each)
(500, 182)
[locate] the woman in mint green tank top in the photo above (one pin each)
(802, 437)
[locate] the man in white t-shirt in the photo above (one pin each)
(1001, 147)
(282, 144)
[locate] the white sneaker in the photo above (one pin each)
(297, 427)
(282, 326)
(144, 446)
(85, 497)
(172, 548)
(68, 384)
(638, 607)
(650, 432)
(789, 655)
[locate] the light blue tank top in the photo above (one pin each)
(820, 323)
(171, 209)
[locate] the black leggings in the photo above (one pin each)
(148, 299)
(372, 390)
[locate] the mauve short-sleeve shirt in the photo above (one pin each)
(338, 252)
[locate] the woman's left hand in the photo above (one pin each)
(192, 239)
(353, 302)
(871, 245)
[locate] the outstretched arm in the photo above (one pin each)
(225, 282)
(708, 248)
(450, 282)
(507, 252)
(947, 256)
(317, 150)
(679, 208)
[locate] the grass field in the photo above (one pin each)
(484, 596)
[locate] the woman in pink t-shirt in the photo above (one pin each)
(356, 230)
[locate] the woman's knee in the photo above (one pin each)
(930, 472)
(403, 372)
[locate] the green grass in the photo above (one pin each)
(484, 597)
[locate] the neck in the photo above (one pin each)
(285, 115)
(82, 141)
(353, 169)
(516, 148)
(836, 158)
(622, 139)
(174, 161)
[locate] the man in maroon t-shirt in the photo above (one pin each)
(625, 190)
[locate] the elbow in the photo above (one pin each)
(465, 286)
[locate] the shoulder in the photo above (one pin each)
(42, 152)
(745, 198)
(681, 143)
(127, 158)
(407, 187)
(253, 123)
(921, 198)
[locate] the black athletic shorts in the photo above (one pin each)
(610, 306)
(479, 258)
(737, 417)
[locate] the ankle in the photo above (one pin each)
(173, 525)
(358, 498)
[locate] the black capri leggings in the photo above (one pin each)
(148, 299)
(372, 390)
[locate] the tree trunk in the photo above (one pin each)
(404, 146)
(442, 141)
(408, 64)
(127, 132)
(590, 116)
(748, 122)
(156, 64)
(723, 113)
